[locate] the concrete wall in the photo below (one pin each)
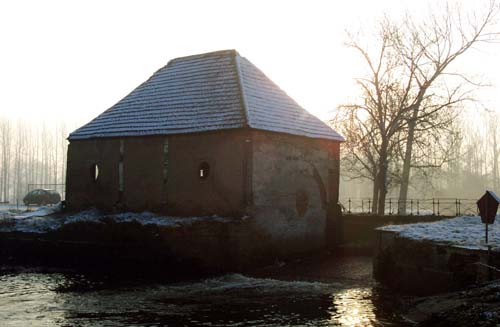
(146, 186)
(294, 181)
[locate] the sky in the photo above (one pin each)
(71, 60)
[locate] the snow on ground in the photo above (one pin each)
(467, 231)
(43, 220)
(13, 212)
(40, 212)
(13, 206)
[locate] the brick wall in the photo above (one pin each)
(81, 188)
(145, 184)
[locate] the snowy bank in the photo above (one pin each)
(43, 221)
(466, 232)
(8, 212)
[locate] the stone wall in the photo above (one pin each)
(359, 233)
(294, 181)
(424, 267)
(198, 248)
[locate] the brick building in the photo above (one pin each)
(209, 134)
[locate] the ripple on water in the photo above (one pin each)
(36, 299)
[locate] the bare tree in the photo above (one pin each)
(370, 146)
(380, 118)
(427, 51)
(408, 87)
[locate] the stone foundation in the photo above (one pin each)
(201, 247)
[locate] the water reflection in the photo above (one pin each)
(36, 299)
(354, 308)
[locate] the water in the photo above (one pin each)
(305, 294)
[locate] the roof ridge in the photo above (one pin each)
(206, 54)
(244, 103)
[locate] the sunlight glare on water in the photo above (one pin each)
(353, 308)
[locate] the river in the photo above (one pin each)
(324, 291)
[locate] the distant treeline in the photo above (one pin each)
(30, 153)
(471, 165)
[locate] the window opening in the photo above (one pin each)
(94, 172)
(204, 170)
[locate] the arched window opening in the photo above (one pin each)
(94, 172)
(204, 170)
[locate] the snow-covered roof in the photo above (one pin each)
(206, 92)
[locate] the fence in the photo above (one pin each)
(435, 206)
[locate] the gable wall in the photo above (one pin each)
(294, 180)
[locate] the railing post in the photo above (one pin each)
(418, 208)
(433, 207)
(362, 206)
(370, 206)
(349, 210)
(438, 207)
(411, 207)
(456, 207)
(390, 207)
(459, 211)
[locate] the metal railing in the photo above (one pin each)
(434, 206)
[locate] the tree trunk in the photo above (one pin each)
(405, 178)
(376, 191)
(382, 191)
(382, 178)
